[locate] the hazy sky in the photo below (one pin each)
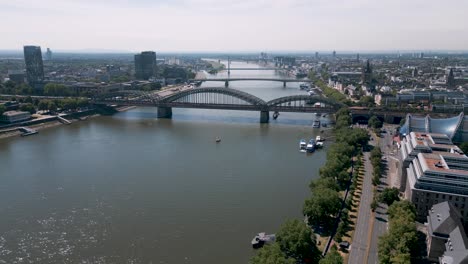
(235, 25)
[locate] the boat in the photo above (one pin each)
(317, 114)
(218, 140)
(319, 145)
(318, 138)
(316, 124)
(311, 146)
(261, 239)
(302, 144)
(275, 115)
(29, 133)
(304, 86)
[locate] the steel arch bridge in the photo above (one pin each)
(219, 98)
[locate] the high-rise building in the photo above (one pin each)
(357, 57)
(34, 66)
(48, 54)
(334, 54)
(316, 55)
(366, 76)
(451, 79)
(145, 65)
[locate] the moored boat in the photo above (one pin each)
(302, 144)
(316, 124)
(261, 239)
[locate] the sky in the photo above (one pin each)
(235, 25)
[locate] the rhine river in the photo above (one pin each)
(131, 188)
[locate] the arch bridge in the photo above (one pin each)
(227, 80)
(222, 98)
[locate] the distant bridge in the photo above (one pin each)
(220, 98)
(253, 69)
(227, 80)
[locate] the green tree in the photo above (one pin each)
(271, 254)
(322, 206)
(374, 122)
(296, 239)
(464, 147)
(389, 196)
(55, 89)
(28, 108)
(329, 183)
(333, 257)
(43, 105)
(2, 109)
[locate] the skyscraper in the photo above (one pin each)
(145, 65)
(334, 54)
(316, 55)
(48, 54)
(34, 66)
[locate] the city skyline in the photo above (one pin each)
(193, 26)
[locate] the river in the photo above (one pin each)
(131, 188)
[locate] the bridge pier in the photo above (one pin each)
(264, 116)
(226, 84)
(164, 112)
(284, 84)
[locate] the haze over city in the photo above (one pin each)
(230, 25)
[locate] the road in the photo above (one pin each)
(388, 179)
(361, 234)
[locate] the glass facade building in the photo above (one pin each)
(145, 65)
(34, 65)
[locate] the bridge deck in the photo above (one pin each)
(249, 79)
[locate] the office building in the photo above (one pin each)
(34, 66)
(14, 116)
(446, 238)
(438, 177)
(48, 54)
(16, 76)
(145, 65)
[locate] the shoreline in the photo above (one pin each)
(53, 123)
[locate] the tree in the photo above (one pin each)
(464, 147)
(324, 183)
(296, 240)
(389, 196)
(333, 257)
(56, 89)
(271, 254)
(28, 108)
(322, 206)
(374, 122)
(43, 105)
(2, 109)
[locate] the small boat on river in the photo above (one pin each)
(261, 239)
(302, 144)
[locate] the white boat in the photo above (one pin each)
(261, 238)
(304, 86)
(318, 138)
(302, 144)
(316, 124)
(311, 146)
(319, 144)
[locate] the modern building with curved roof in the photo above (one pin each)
(456, 128)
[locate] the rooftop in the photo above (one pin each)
(13, 113)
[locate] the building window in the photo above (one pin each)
(443, 196)
(437, 195)
(450, 197)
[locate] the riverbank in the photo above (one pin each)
(50, 122)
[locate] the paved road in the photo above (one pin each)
(361, 234)
(388, 180)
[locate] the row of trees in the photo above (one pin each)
(376, 161)
(401, 240)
